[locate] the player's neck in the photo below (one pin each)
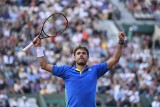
(80, 67)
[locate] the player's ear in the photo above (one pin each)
(74, 57)
(88, 56)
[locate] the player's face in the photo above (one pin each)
(81, 57)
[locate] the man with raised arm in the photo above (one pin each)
(81, 79)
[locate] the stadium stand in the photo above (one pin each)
(134, 81)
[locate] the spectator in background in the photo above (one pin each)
(14, 102)
(148, 9)
(4, 99)
(157, 43)
(156, 102)
(20, 21)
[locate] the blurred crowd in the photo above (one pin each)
(20, 20)
(144, 9)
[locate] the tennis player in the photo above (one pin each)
(81, 79)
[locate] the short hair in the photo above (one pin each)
(81, 47)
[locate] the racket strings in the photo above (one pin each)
(55, 25)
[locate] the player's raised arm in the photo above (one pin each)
(118, 52)
(40, 55)
(54, 25)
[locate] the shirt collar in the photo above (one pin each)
(87, 67)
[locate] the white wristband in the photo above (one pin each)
(39, 51)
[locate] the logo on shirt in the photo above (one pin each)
(89, 69)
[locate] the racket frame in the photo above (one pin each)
(47, 36)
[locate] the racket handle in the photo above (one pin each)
(28, 46)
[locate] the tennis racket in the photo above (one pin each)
(54, 25)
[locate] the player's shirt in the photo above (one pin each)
(80, 87)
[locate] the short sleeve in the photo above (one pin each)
(101, 69)
(59, 71)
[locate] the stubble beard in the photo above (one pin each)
(81, 63)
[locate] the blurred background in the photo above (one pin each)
(133, 82)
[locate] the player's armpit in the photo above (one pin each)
(48, 67)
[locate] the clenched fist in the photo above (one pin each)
(121, 36)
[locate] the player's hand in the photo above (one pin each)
(37, 41)
(121, 36)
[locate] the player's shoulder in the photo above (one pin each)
(68, 66)
(62, 66)
(99, 64)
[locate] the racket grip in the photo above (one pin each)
(28, 46)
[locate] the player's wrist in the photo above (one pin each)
(39, 51)
(121, 43)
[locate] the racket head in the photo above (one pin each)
(54, 25)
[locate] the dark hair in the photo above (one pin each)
(81, 47)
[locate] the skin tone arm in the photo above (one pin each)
(118, 52)
(111, 62)
(42, 61)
